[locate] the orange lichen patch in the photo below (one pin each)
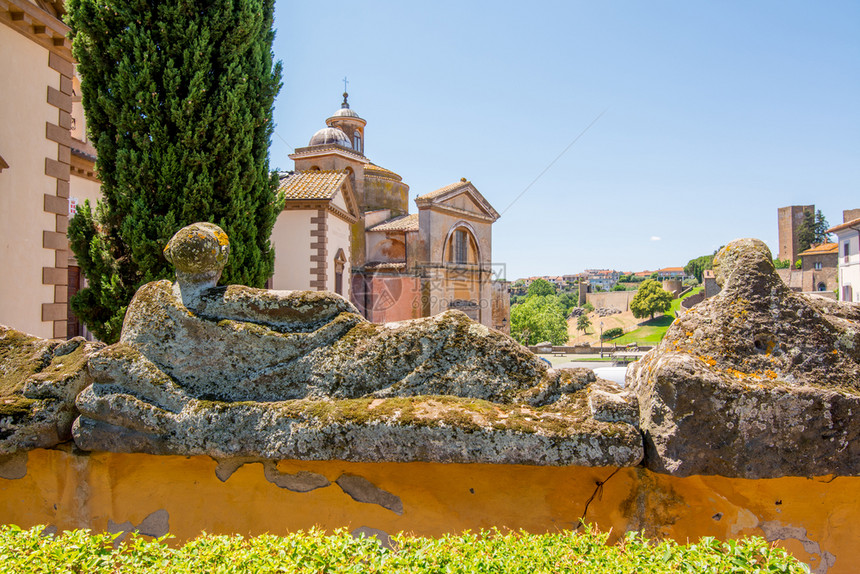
(770, 374)
(737, 374)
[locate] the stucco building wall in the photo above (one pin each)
(338, 240)
(34, 142)
(814, 518)
(292, 237)
(82, 189)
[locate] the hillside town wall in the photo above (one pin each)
(618, 299)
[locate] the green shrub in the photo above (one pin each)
(612, 333)
(314, 551)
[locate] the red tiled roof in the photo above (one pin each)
(846, 225)
(372, 167)
(402, 223)
(443, 190)
(822, 249)
(312, 184)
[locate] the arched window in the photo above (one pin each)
(339, 264)
(822, 287)
(461, 247)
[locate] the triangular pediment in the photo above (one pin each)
(462, 198)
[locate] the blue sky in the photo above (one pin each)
(713, 115)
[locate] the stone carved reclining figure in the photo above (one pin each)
(241, 372)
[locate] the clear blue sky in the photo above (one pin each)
(714, 115)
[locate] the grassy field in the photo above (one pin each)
(653, 330)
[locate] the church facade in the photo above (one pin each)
(346, 227)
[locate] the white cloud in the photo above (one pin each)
(655, 238)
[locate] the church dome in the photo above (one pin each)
(330, 136)
(344, 113)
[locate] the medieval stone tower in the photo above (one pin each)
(790, 219)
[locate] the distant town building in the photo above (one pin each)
(671, 273)
(789, 219)
(605, 279)
(819, 268)
(848, 255)
(709, 282)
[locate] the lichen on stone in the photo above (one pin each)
(757, 381)
(39, 380)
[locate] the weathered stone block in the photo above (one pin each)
(755, 382)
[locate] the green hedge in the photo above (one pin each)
(612, 333)
(78, 551)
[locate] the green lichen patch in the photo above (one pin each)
(566, 417)
(21, 356)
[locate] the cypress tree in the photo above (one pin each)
(178, 97)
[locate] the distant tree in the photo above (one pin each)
(568, 302)
(781, 263)
(583, 323)
(612, 333)
(178, 98)
(588, 307)
(541, 287)
(618, 287)
(625, 278)
(813, 229)
(696, 267)
(654, 275)
(537, 319)
(820, 228)
(649, 299)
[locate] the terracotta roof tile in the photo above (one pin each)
(846, 225)
(443, 190)
(312, 184)
(822, 249)
(372, 167)
(402, 223)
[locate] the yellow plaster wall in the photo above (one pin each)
(814, 518)
(384, 193)
(23, 113)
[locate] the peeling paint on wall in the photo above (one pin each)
(362, 490)
(13, 466)
(775, 530)
(156, 524)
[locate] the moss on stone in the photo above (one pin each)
(565, 418)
